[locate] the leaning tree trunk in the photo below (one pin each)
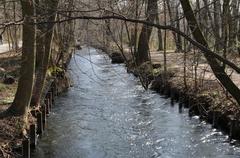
(25, 85)
(142, 54)
(212, 61)
(43, 55)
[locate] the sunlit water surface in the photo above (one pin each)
(107, 114)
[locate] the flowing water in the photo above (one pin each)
(107, 114)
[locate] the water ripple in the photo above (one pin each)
(107, 114)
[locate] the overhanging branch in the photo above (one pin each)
(203, 48)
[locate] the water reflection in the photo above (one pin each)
(107, 114)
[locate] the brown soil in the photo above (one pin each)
(208, 97)
(10, 137)
(14, 129)
(11, 129)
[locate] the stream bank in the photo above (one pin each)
(211, 102)
(15, 130)
(107, 113)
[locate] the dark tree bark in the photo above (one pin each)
(225, 28)
(65, 32)
(217, 26)
(238, 36)
(23, 95)
(142, 54)
(214, 64)
(233, 22)
(211, 21)
(179, 38)
(172, 17)
(160, 41)
(44, 43)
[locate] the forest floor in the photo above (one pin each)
(203, 80)
(10, 66)
(201, 83)
(194, 63)
(204, 72)
(13, 129)
(10, 128)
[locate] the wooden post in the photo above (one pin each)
(48, 109)
(232, 133)
(190, 111)
(176, 97)
(50, 97)
(186, 101)
(215, 119)
(44, 116)
(162, 90)
(167, 91)
(26, 148)
(39, 123)
(54, 88)
(172, 96)
(33, 136)
(180, 107)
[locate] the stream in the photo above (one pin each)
(107, 114)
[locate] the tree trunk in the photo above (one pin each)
(217, 26)
(233, 26)
(179, 38)
(216, 67)
(25, 85)
(160, 41)
(165, 42)
(142, 55)
(211, 22)
(172, 18)
(44, 52)
(238, 36)
(136, 27)
(225, 28)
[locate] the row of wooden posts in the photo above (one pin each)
(29, 143)
(184, 101)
